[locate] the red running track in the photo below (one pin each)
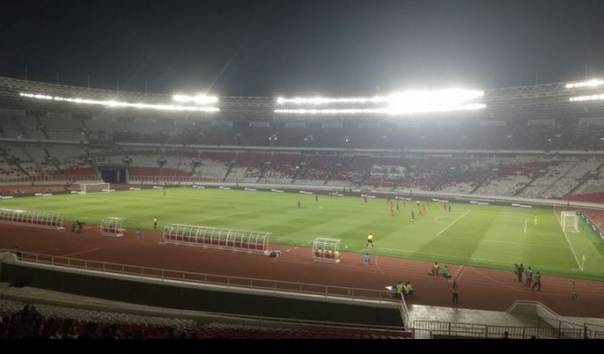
(480, 288)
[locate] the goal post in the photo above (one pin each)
(569, 221)
(86, 188)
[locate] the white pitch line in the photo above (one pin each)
(525, 225)
(453, 223)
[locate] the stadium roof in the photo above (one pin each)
(554, 98)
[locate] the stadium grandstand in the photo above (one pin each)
(60, 148)
(436, 212)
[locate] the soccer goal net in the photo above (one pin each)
(569, 220)
(94, 187)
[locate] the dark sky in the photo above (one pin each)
(329, 47)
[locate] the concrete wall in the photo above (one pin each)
(199, 297)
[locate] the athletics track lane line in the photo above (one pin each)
(80, 252)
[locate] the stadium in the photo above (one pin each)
(130, 214)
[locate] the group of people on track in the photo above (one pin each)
(532, 278)
(436, 271)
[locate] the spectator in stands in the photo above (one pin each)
(455, 293)
(537, 281)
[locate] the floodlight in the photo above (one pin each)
(200, 99)
(330, 111)
(121, 104)
(598, 97)
(406, 102)
(424, 101)
(328, 100)
(36, 96)
(585, 84)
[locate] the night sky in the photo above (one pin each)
(329, 47)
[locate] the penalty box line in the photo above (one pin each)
(453, 223)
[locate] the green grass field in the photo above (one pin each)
(488, 236)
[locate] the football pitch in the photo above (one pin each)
(486, 236)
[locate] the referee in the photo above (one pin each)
(370, 240)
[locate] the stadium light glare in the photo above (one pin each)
(328, 100)
(36, 96)
(200, 99)
(585, 84)
(121, 104)
(312, 111)
(406, 102)
(599, 97)
(423, 101)
(388, 110)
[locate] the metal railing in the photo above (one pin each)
(405, 312)
(432, 329)
(204, 278)
(563, 327)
